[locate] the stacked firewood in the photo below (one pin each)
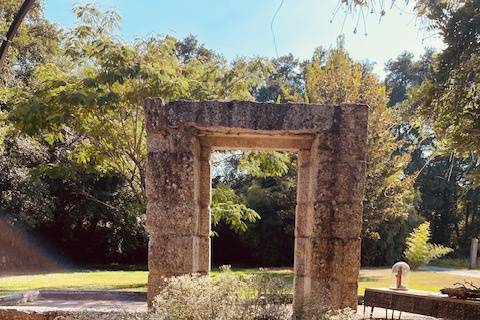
(466, 290)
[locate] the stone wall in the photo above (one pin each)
(331, 143)
(18, 254)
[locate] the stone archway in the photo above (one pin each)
(331, 144)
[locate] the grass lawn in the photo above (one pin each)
(451, 263)
(136, 280)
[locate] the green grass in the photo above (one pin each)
(113, 280)
(419, 280)
(136, 280)
(451, 263)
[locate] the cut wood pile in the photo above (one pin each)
(463, 291)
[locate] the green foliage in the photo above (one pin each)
(439, 124)
(230, 297)
(96, 93)
(36, 43)
(419, 250)
(403, 73)
(201, 297)
(226, 206)
(73, 149)
(451, 95)
(268, 241)
(265, 164)
(389, 197)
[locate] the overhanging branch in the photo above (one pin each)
(27, 4)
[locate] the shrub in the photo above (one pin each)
(228, 297)
(202, 297)
(271, 296)
(419, 250)
(313, 311)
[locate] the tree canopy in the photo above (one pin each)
(72, 137)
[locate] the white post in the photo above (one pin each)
(473, 253)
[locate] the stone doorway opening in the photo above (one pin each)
(243, 187)
(331, 144)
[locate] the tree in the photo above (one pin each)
(403, 73)
(451, 95)
(37, 40)
(286, 76)
(390, 196)
(226, 206)
(12, 30)
(419, 250)
(96, 92)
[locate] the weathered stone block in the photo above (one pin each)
(203, 255)
(332, 292)
(335, 258)
(324, 173)
(349, 296)
(173, 140)
(204, 183)
(171, 255)
(303, 218)
(330, 219)
(170, 177)
(351, 146)
(180, 220)
(321, 219)
(350, 181)
(240, 115)
(303, 176)
(204, 222)
(156, 281)
(347, 220)
(301, 256)
(326, 291)
(322, 193)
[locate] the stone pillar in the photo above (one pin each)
(473, 253)
(205, 197)
(303, 214)
(329, 214)
(178, 219)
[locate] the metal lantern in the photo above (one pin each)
(400, 271)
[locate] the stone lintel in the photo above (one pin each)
(246, 116)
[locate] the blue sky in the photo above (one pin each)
(242, 27)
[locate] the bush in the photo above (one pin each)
(313, 311)
(419, 250)
(230, 297)
(271, 296)
(202, 297)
